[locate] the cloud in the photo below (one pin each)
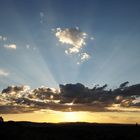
(75, 39)
(78, 93)
(92, 38)
(10, 46)
(3, 38)
(70, 97)
(6, 45)
(42, 15)
(84, 56)
(16, 89)
(3, 73)
(8, 109)
(24, 97)
(28, 46)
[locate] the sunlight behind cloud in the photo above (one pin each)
(81, 116)
(3, 38)
(75, 39)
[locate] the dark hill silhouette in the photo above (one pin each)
(68, 131)
(1, 119)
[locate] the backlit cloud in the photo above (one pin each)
(70, 97)
(73, 37)
(75, 40)
(10, 46)
(3, 73)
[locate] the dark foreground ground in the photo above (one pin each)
(68, 131)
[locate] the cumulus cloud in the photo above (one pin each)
(78, 93)
(10, 46)
(75, 39)
(16, 89)
(9, 109)
(70, 97)
(3, 73)
(23, 97)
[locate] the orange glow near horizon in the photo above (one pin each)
(51, 116)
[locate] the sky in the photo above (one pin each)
(52, 42)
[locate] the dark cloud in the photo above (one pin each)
(9, 109)
(124, 96)
(71, 97)
(10, 89)
(46, 93)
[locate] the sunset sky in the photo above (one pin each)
(47, 44)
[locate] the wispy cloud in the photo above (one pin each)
(5, 43)
(28, 46)
(3, 73)
(42, 15)
(10, 46)
(3, 38)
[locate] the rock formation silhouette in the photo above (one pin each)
(1, 119)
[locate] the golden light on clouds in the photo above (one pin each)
(72, 103)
